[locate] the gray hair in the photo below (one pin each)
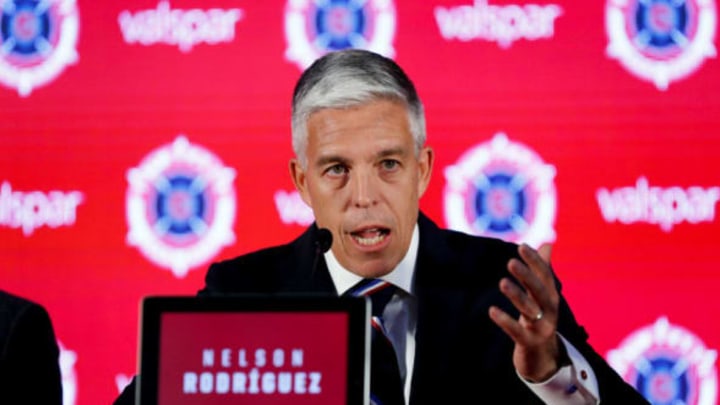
(347, 78)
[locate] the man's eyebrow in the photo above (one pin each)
(399, 150)
(335, 159)
(327, 159)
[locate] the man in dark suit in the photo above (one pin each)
(473, 320)
(29, 354)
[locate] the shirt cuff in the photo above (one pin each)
(572, 384)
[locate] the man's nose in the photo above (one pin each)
(364, 188)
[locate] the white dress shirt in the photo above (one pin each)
(572, 384)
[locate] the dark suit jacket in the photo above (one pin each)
(461, 355)
(29, 354)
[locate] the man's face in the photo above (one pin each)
(363, 182)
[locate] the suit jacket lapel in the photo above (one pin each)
(436, 274)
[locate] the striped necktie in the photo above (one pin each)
(386, 387)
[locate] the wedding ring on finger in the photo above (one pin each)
(535, 318)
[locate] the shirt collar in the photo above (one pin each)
(401, 276)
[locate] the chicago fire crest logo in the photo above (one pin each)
(315, 27)
(37, 41)
(180, 206)
(501, 189)
(661, 40)
(667, 364)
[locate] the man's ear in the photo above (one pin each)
(299, 178)
(425, 164)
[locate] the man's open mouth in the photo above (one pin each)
(370, 236)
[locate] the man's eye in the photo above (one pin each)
(390, 164)
(336, 170)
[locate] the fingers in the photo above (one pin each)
(508, 324)
(522, 302)
(538, 297)
(535, 297)
(534, 274)
(545, 250)
(538, 261)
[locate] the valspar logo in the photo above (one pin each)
(315, 27)
(67, 361)
(663, 206)
(122, 381)
(38, 41)
(667, 364)
(502, 189)
(30, 210)
(502, 24)
(180, 206)
(292, 209)
(181, 28)
(661, 40)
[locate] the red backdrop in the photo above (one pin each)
(604, 115)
